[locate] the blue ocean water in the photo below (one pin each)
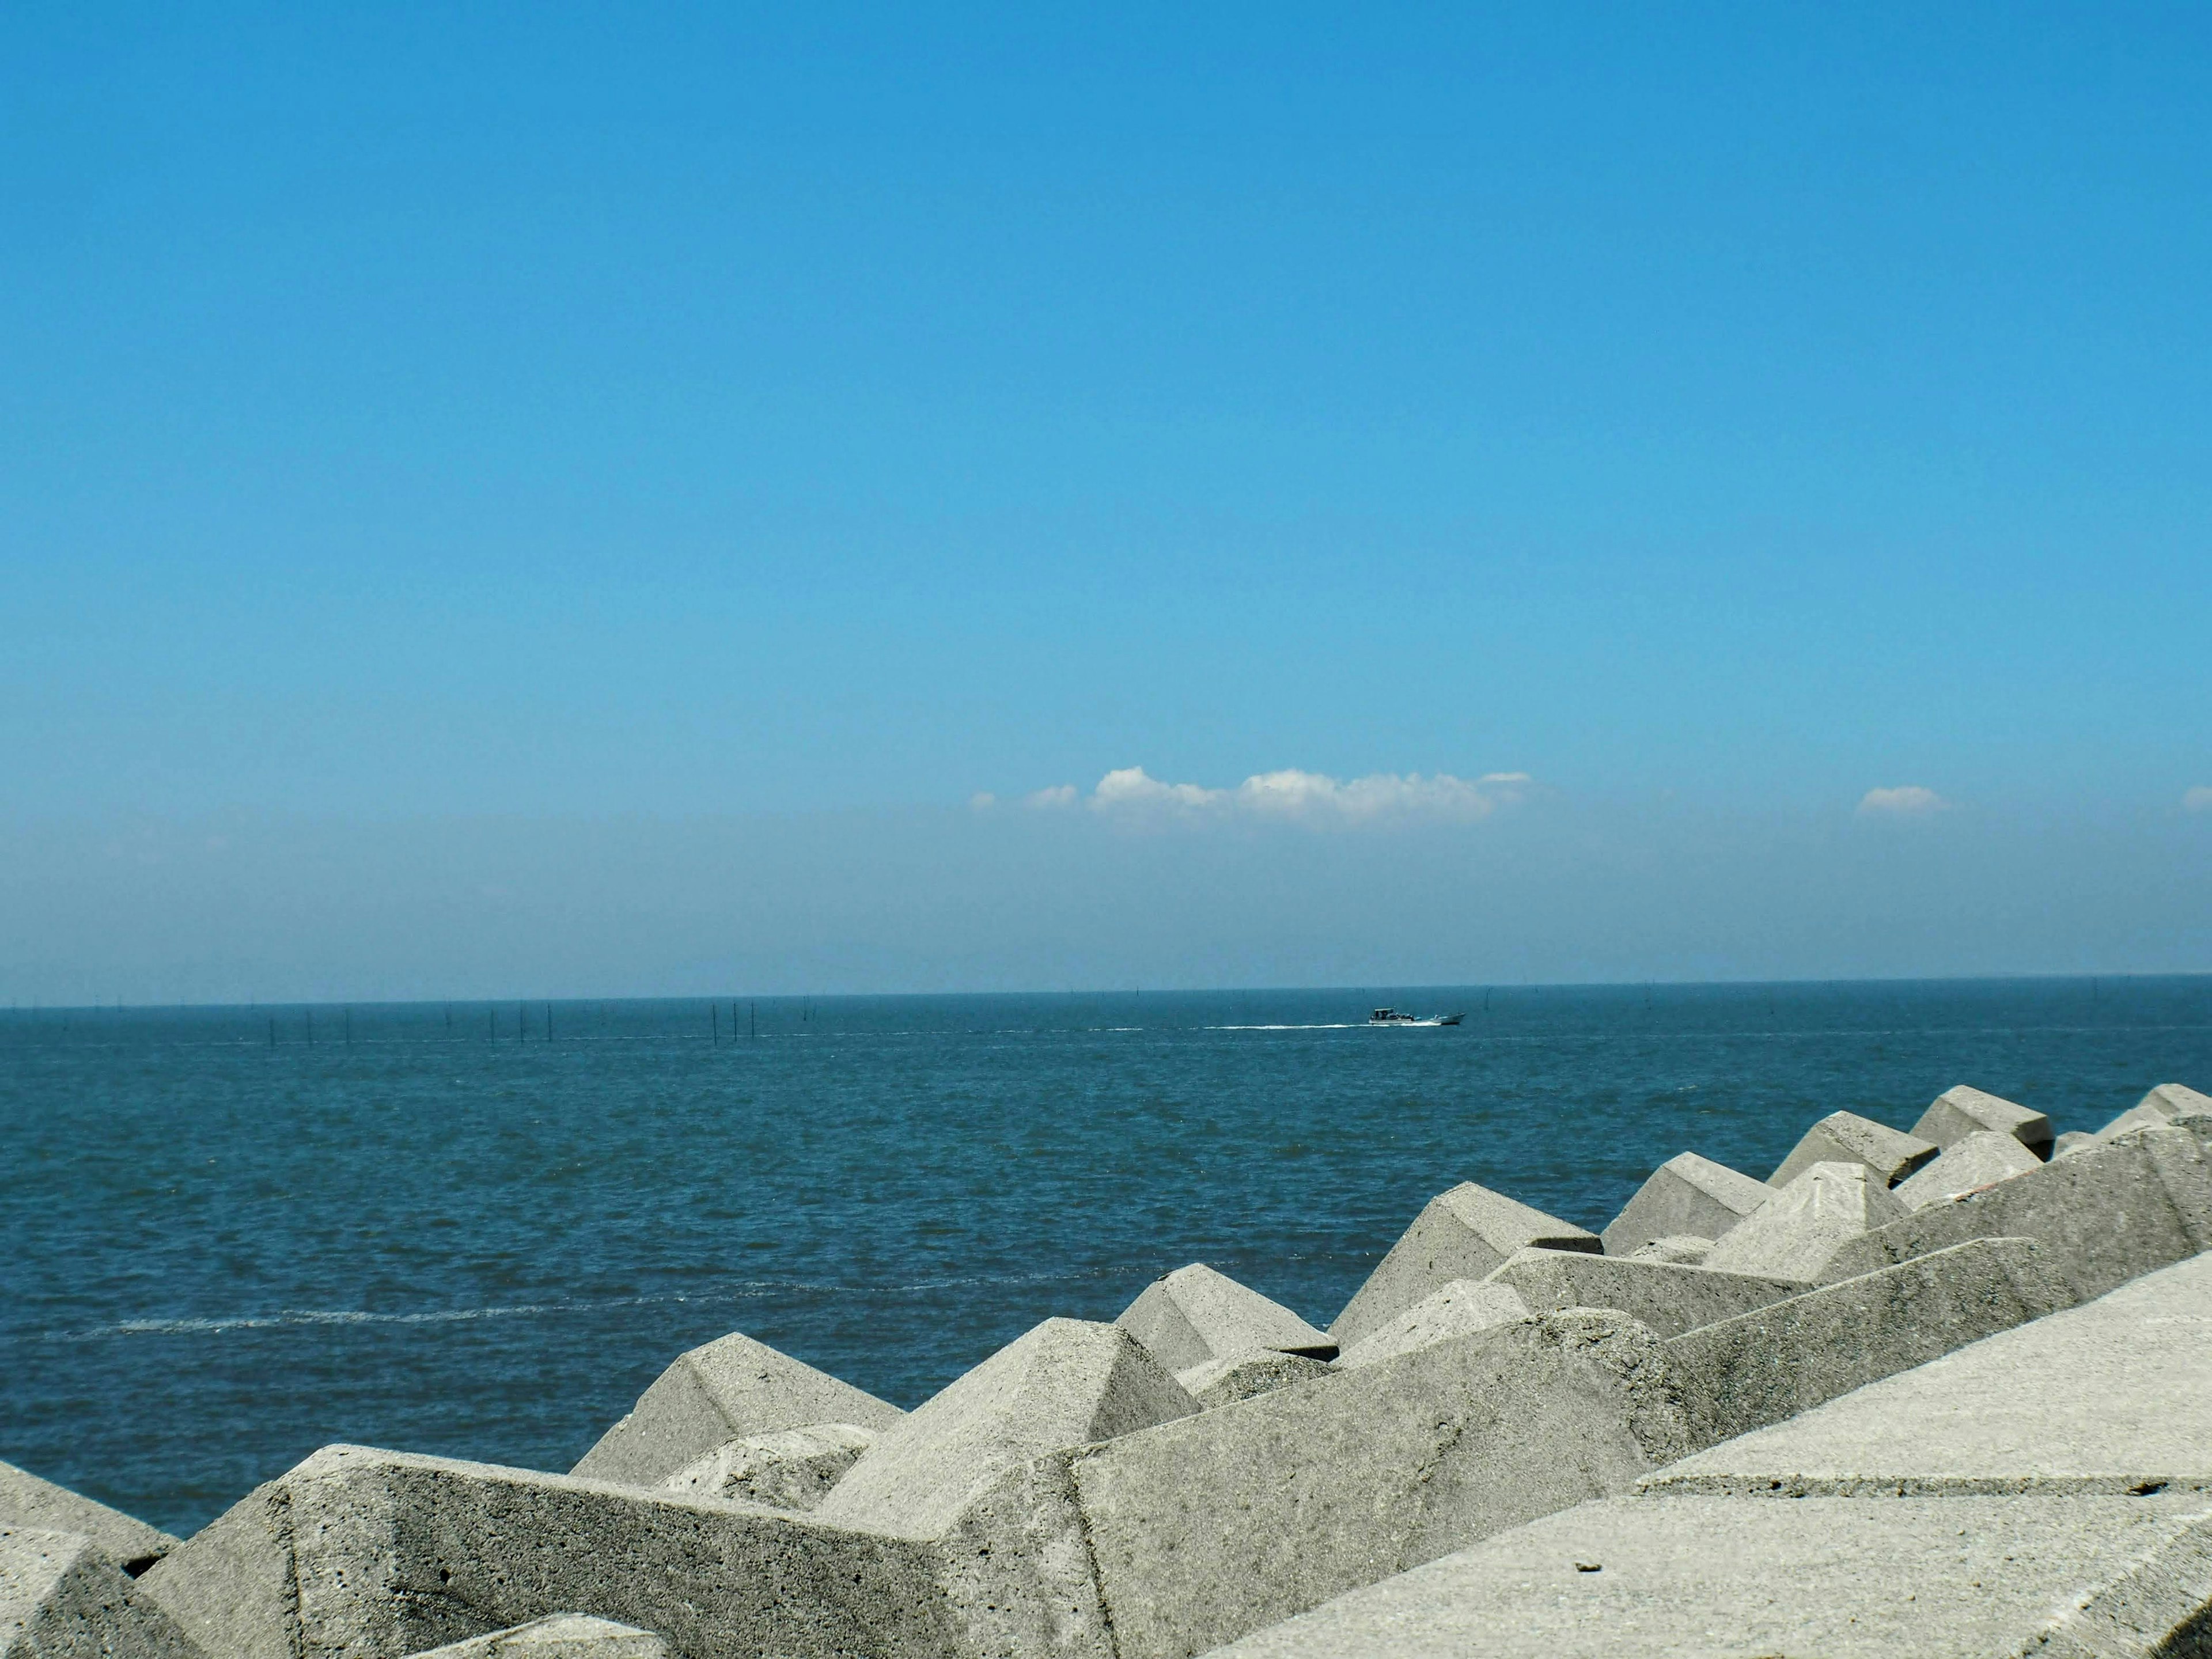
(432, 1228)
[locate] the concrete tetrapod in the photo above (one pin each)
(1962, 1111)
(790, 1469)
(1687, 1194)
(1847, 1138)
(1459, 1308)
(1194, 1315)
(1237, 1377)
(1793, 1234)
(27, 1501)
(1669, 1298)
(729, 1389)
(1980, 1159)
(62, 1596)
(563, 1636)
(1466, 1233)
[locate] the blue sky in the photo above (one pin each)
(517, 427)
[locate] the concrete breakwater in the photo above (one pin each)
(1976, 1363)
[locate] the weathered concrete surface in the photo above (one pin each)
(1669, 1298)
(1958, 1113)
(63, 1597)
(1794, 1234)
(790, 1469)
(1843, 1578)
(1466, 1233)
(1459, 1308)
(564, 1635)
(27, 1501)
(2164, 1103)
(2102, 1215)
(1683, 1249)
(729, 1389)
(1790, 1356)
(1208, 1527)
(2072, 1141)
(1980, 1159)
(1194, 1315)
(1687, 1194)
(1065, 1382)
(2113, 1396)
(364, 1554)
(1237, 1377)
(1847, 1138)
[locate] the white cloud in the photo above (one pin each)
(1314, 797)
(1905, 800)
(2198, 799)
(982, 800)
(1060, 794)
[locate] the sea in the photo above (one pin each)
(230, 1236)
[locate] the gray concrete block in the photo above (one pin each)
(1789, 1357)
(2113, 1396)
(1459, 1308)
(1687, 1194)
(729, 1389)
(1960, 1112)
(1971, 1162)
(1065, 1382)
(2102, 1215)
(790, 1469)
(1237, 1377)
(1845, 1578)
(1794, 1234)
(563, 1636)
(2072, 1141)
(1195, 1315)
(1683, 1249)
(1466, 1233)
(62, 1596)
(1208, 1527)
(1847, 1138)
(2162, 1104)
(27, 1501)
(1669, 1298)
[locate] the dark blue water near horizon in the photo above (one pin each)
(432, 1228)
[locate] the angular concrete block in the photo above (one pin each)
(1466, 1233)
(2162, 1104)
(730, 1389)
(1687, 1194)
(1960, 1112)
(1237, 1377)
(1980, 1159)
(1669, 1298)
(63, 1597)
(1195, 1315)
(1794, 1233)
(1789, 1357)
(564, 1635)
(790, 1469)
(1065, 1384)
(1459, 1308)
(27, 1501)
(2104, 1214)
(1683, 1249)
(2072, 1141)
(1847, 1138)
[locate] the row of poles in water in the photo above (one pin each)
(522, 1022)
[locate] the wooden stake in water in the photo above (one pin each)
(272, 1030)
(549, 1021)
(310, 1028)
(752, 1019)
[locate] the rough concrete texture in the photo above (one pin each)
(1194, 1315)
(1683, 1249)
(730, 1389)
(2164, 1103)
(1237, 1377)
(1459, 1308)
(1980, 1159)
(1466, 1233)
(1847, 1138)
(1687, 1194)
(1206, 1528)
(790, 1469)
(1845, 1578)
(1794, 1234)
(364, 1554)
(63, 1597)
(1668, 1297)
(1790, 1356)
(2113, 1396)
(1067, 1382)
(2072, 1141)
(564, 1635)
(27, 1501)
(1958, 1113)
(2102, 1215)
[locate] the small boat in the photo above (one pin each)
(1393, 1017)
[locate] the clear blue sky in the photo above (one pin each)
(489, 434)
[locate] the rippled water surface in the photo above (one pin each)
(223, 1246)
